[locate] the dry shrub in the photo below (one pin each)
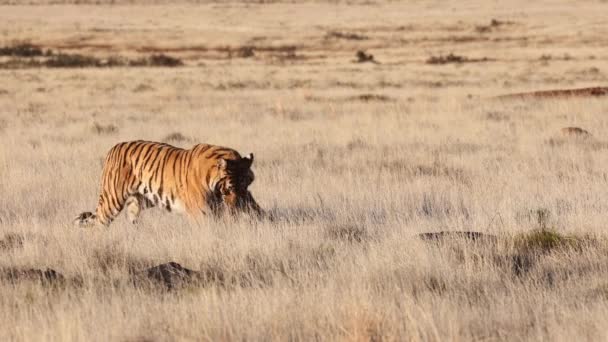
(47, 277)
(300, 214)
(451, 58)
(11, 241)
(493, 25)
(497, 116)
(356, 144)
(545, 240)
(439, 170)
(454, 59)
(244, 52)
(259, 271)
(559, 93)
(21, 50)
(348, 232)
(173, 276)
(111, 258)
(104, 129)
(467, 235)
(64, 60)
(31, 56)
(436, 205)
(345, 35)
(142, 88)
(175, 137)
(293, 265)
(159, 60)
(370, 98)
(363, 57)
(517, 255)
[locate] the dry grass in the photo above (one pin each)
(353, 161)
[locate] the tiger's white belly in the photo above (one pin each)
(165, 202)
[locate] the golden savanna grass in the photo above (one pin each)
(354, 160)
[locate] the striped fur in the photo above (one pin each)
(203, 180)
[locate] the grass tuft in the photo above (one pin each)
(545, 240)
(347, 232)
(175, 137)
(104, 129)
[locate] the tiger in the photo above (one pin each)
(204, 180)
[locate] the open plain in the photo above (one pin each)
(371, 122)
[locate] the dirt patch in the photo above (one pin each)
(559, 93)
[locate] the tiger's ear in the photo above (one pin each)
(222, 163)
(248, 159)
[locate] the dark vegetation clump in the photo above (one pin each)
(175, 137)
(493, 25)
(11, 241)
(454, 59)
(170, 275)
(21, 50)
(244, 52)
(542, 240)
(25, 55)
(363, 57)
(48, 277)
(347, 232)
(371, 98)
(451, 58)
(104, 129)
(160, 60)
(112, 258)
(520, 254)
(468, 235)
(64, 60)
(345, 35)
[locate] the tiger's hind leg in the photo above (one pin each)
(135, 203)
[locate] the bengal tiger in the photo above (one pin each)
(204, 180)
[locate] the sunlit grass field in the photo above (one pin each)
(354, 158)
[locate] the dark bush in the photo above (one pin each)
(21, 50)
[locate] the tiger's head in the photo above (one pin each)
(235, 176)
